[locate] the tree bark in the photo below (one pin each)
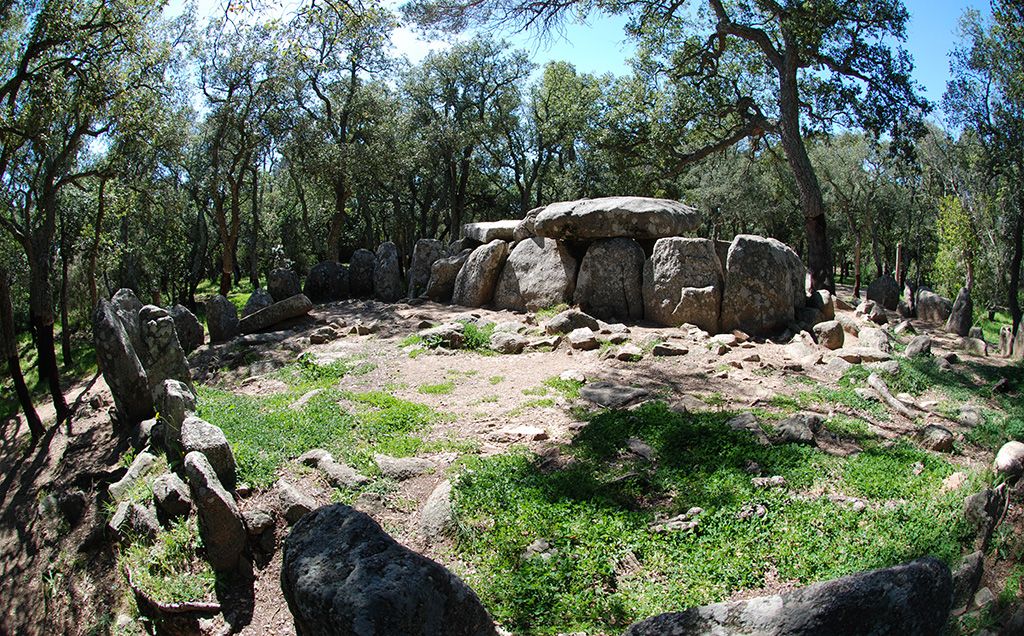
(65, 323)
(9, 347)
(1012, 301)
(94, 250)
(254, 261)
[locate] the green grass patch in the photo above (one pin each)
(570, 389)
(550, 312)
(496, 379)
(990, 328)
(441, 388)
(171, 570)
(596, 510)
(536, 390)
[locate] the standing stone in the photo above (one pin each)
(360, 273)
(475, 283)
(962, 316)
(221, 319)
(1018, 344)
(824, 302)
(764, 283)
(443, 273)
(932, 308)
(424, 254)
(198, 435)
(282, 283)
(610, 217)
(293, 307)
(611, 279)
(174, 401)
(171, 496)
(162, 355)
(186, 325)
(387, 274)
(327, 282)
(909, 600)
(885, 291)
(121, 366)
(342, 574)
(220, 524)
(258, 299)
(683, 283)
(539, 273)
(1006, 341)
(127, 306)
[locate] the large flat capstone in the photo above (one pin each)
(490, 230)
(292, 307)
(612, 217)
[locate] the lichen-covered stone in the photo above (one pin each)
(615, 217)
(610, 281)
(539, 273)
(683, 283)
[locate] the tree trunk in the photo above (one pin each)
(94, 296)
(65, 323)
(856, 267)
(254, 261)
(1012, 301)
(337, 223)
(9, 348)
(819, 256)
(41, 317)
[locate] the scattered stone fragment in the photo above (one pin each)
(339, 474)
(572, 375)
(436, 520)
(629, 352)
(583, 339)
(1010, 459)
(904, 327)
(449, 335)
(748, 422)
(201, 436)
(540, 549)
(680, 523)
(570, 320)
(775, 481)
(519, 434)
(970, 415)
(936, 438)
(131, 522)
(668, 349)
(830, 334)
(294, 503)
(143, 464)
(919, 346)
(640, 448)
(752, 511)
(798, 429)
(402, 468)
(611, 395)
(323, 335)
(508, 342)
(171, 496)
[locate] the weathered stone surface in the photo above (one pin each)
(186, 325)
(683, 283)
(174, 401)
(162, 355)
(919, 346)
(339, 474)
(932, 308)
(1006, 341)
(830, 334)
(1010, 459)
(490, 231)
(824, 302)
(121, 366)
(799, 428)
(220, 524)
(885, 291)
(143, 464)
(326, 282)
(539, 273)
(258, 299)
(402, 468)
(283, 283)
(342, 574)
(936, 438)
(508, 342)
(614, 217)
(611, 395)
(570, 320)
(475, 282)
(200, 436)
(387, 274)
(764, 283)
(424, 254)
(874, 338)
(667, 349)
(610, 281)
(295, 504)
(436, 520)
(132, 521)
(909, 600)
(360, 273)
(293, 307)
(1018, 344)
(127, 307)
(525, 228)
(171, 496)
(967, 578)
(974, 346)
(962, 316)
(221, 319)
(449, 335)
(583, 339)
(443, 273)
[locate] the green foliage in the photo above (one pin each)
(958, 243)
(477, 337)
(171, 569)
(441, 388)
(570, 389)
(595, 512)
(550, 312)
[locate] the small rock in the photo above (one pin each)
(641, 448)
(540, 548)
(748, 422)
(143, 464)
(919, 346)
(340, 475)
(904, 327)
(970, 416)
(984, 597)
(199, 435)
(436, 520)
(936, 438)
(583, 339)
(610, 395)
(775, 481)
(294, 504)
(519, 434)
(132, 521)
(572, 375)
(798, 429)
(665, 349)
(830, 334)
(752, 358)
(257, 522)
(629, 353)
(1010, 459)
(507, 342)
(568, 321)
(402, 468)
(752, 511)
(171, 496)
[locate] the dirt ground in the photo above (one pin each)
(37, 548)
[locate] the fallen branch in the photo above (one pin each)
(878, 384)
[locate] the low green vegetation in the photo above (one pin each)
(549, 312)
(169, 570)
(607, 568)
(441, 388)
(570, 389)
(83, 367)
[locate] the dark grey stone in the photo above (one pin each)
(293, 307)
(121, 366)
(327, 282)
(360, 273)
(186, 325)
(220, 524)
(258, 299)
(962, 316)
(614, 217)
(387, 274)
(221, 319)
(282, 283)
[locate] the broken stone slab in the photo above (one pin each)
(570, 320)
(402, 468)
(436, 519)
(668, 349)
(798, 429)
(170, 494)
(143, 464)
(488, 231)
(133, 522)
(909, 599)
(339, 474)
(611, 395)
(342, 574)
(583, 339)
(919, 346)
(220, 524)
(612, 217)
(198, 435)
(294, 503)
(507, 342)
(291, 307)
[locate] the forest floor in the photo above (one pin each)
(560, 504)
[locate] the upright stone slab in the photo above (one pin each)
(962, 316)
(190, 333)
(764, 281)
(121, 366)
(220, 524)
(297, 305)
(475, 283)
(932, 308)
(174, 401)
(163, 357)
(199, 435)
(360, 273)
(539, 273)
(221, 319)
(387, 274)
(885, 291)
(490, 231)
(610, 280)
(127, 306)
(258, 299)
(342, 574)
(906, 600)
(327, 282)
(683, 283)
(282, 283)
(443, 273)
(424, 254)
(639, 218)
